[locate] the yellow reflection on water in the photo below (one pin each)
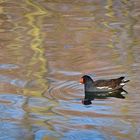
(38, 63)
(1, 10)
(109, 7)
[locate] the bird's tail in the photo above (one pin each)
(122, 79)
(125, 81)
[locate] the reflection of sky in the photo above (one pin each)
(103, 122)
(95, 129)
(97, 108)
(16, 82)
(13, 106)
(13, 131)
(8, 66)
(84, 135)
(40, 134)
(38, 102)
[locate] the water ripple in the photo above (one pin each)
(84, 135)
(8, 66)
(64, 90)
(13, 106)
(13, 131)
(57, 42)
(16, 82)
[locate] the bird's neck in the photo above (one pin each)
(89, 85)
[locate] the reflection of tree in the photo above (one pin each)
(37, 66)
(125, 41)
(126, 37)
(123, 22)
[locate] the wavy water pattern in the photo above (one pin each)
(46, 46)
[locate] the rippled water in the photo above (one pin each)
(46, 46)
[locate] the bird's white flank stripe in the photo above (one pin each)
(122, 84)
(104, 87)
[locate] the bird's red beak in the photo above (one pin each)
(81, 80)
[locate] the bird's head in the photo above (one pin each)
(86, 79)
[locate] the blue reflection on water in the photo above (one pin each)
(84, 135)
(13, 131)
(16, 82)
(91, 121)
(40, 134)
(11, 106)
(8, 66)
(39, 102)
(98, 108)
(105, 122)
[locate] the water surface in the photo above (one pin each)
(46, 46)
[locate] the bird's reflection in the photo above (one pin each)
(91, 96)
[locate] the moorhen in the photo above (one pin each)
(102, 88)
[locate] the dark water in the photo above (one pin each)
(46, 46)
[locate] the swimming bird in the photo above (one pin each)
(102, 88)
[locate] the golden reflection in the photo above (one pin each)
(50, 138)
(109, 7)
(37, 66)
(124, 44)
(110, 14)
(129, 43)
(1, 10)
(38, 63)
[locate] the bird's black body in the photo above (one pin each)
(103, 88)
